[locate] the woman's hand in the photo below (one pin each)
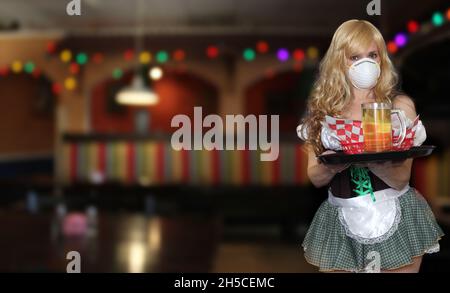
(383, 167)
(321, 174)
(335, 168)
(396, 174)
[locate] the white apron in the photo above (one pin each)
(366, 221)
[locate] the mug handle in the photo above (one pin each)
(402, 119)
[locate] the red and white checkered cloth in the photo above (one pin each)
(408, 142)
(349, 133)
(346, 129)
(351, 137)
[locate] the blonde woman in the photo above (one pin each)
(347, 234)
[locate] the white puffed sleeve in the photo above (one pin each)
(330, 139)
(302, 132)
(420, 135)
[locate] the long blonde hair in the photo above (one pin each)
(331, 92)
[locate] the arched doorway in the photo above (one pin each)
(179, 92)
(27, 124)
(283, 94)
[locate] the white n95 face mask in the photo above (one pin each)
(364, 73)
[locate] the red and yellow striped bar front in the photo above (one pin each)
(155, 162)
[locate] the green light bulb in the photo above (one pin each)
(249, 54)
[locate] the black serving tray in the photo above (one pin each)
(342, 158)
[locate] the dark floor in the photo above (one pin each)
(136, 243)
(133, 241)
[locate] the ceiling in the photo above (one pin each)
(185, 17)
(116, 16)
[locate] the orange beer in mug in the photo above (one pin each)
(377, 127)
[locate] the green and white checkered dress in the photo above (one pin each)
(327, 246)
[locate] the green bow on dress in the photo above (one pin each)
(360, 176)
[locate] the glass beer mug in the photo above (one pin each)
(377, 127)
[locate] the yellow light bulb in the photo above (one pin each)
(70, 83)
(312, 53)
(145, 57)
(66, 56)
(17, 66)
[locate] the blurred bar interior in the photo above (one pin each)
(81, 171)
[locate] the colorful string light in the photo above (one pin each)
(70, 83)
(312, 53)
(249, 54)
(262, 47)
(98, 58)
(162, 56)
(117, 73)
(74, 68)
(283, 54)
(392, 47)
(4, 71)
(56, 88)
(29, 67)
(145, 57)
(298, 55)
(128, 55)
(400, 39)
(65, 55)
(82, 58)
(16, 66)
(437, 19)
(413, 26)
(51, 47)
(212, 52)
(179, 55)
